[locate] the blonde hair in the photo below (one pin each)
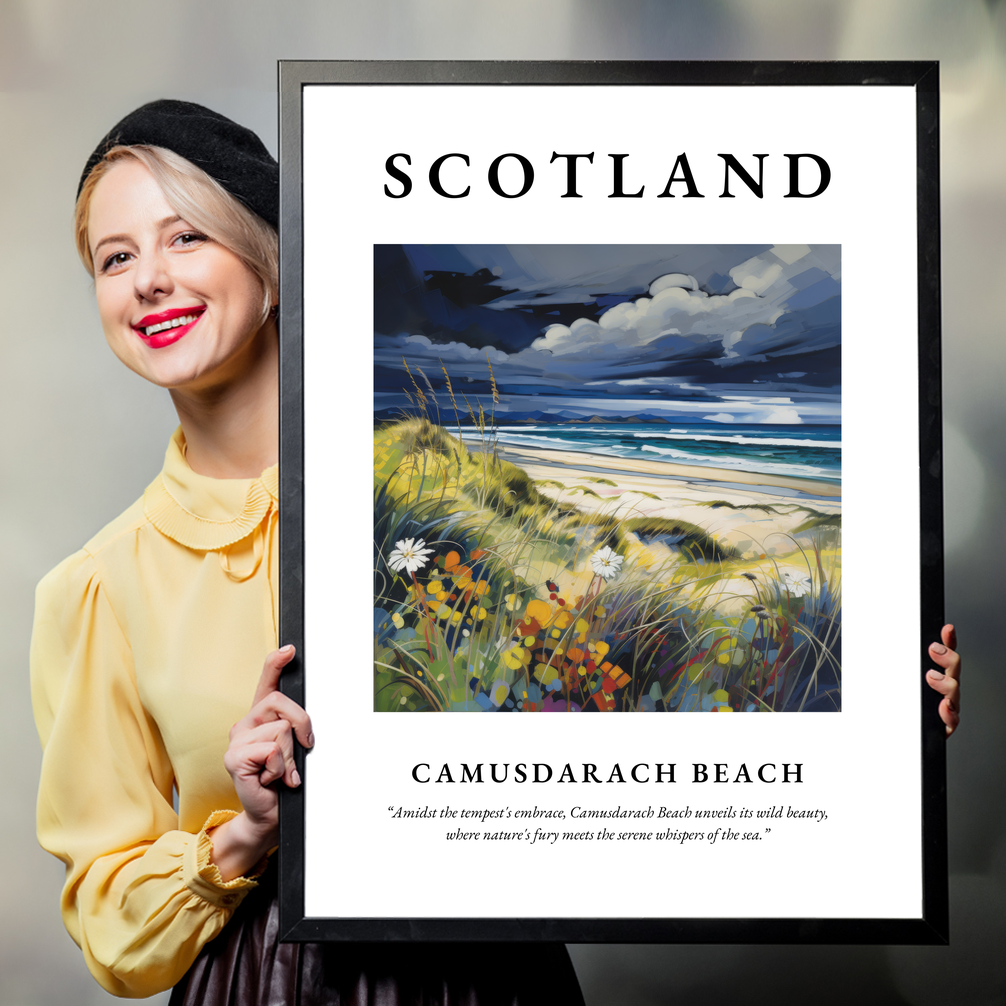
(199, 200)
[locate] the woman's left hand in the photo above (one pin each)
(948, 681)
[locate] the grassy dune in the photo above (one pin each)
(519, 603)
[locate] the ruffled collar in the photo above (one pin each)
(203, 513)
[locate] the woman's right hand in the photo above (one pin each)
(259, 754)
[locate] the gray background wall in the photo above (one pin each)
(81, 436)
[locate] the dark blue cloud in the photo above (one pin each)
(666, 323)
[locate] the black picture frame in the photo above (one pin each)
(931, 927)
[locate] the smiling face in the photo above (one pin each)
(177, 307)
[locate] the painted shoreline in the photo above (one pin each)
(769, 508)
(665, 470)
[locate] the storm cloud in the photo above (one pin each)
(742, 323)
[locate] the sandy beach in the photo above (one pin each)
(676, 492)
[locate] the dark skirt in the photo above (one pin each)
(246, 965)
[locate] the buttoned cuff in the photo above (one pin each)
(202, 876)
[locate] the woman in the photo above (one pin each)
(148, 643)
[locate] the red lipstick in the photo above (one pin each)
(166, 327)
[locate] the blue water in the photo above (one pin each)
(789, 451)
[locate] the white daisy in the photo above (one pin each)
(797, 584)
(606, 563)
(409, 555)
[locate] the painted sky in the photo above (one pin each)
(718, 333)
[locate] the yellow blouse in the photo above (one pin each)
(147, 647)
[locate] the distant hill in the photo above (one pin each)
(564, 418)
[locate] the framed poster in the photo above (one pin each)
(612, 389)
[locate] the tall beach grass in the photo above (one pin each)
(490, 596)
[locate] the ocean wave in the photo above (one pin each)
(741, 439)
(741, 452)
(741, 464)
(612, 431)
(524, 438)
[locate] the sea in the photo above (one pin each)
(810, 452)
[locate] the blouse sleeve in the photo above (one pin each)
(141, 898)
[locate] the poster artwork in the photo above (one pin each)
(613, 444)
(607, 478)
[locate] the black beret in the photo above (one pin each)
(230, 154)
